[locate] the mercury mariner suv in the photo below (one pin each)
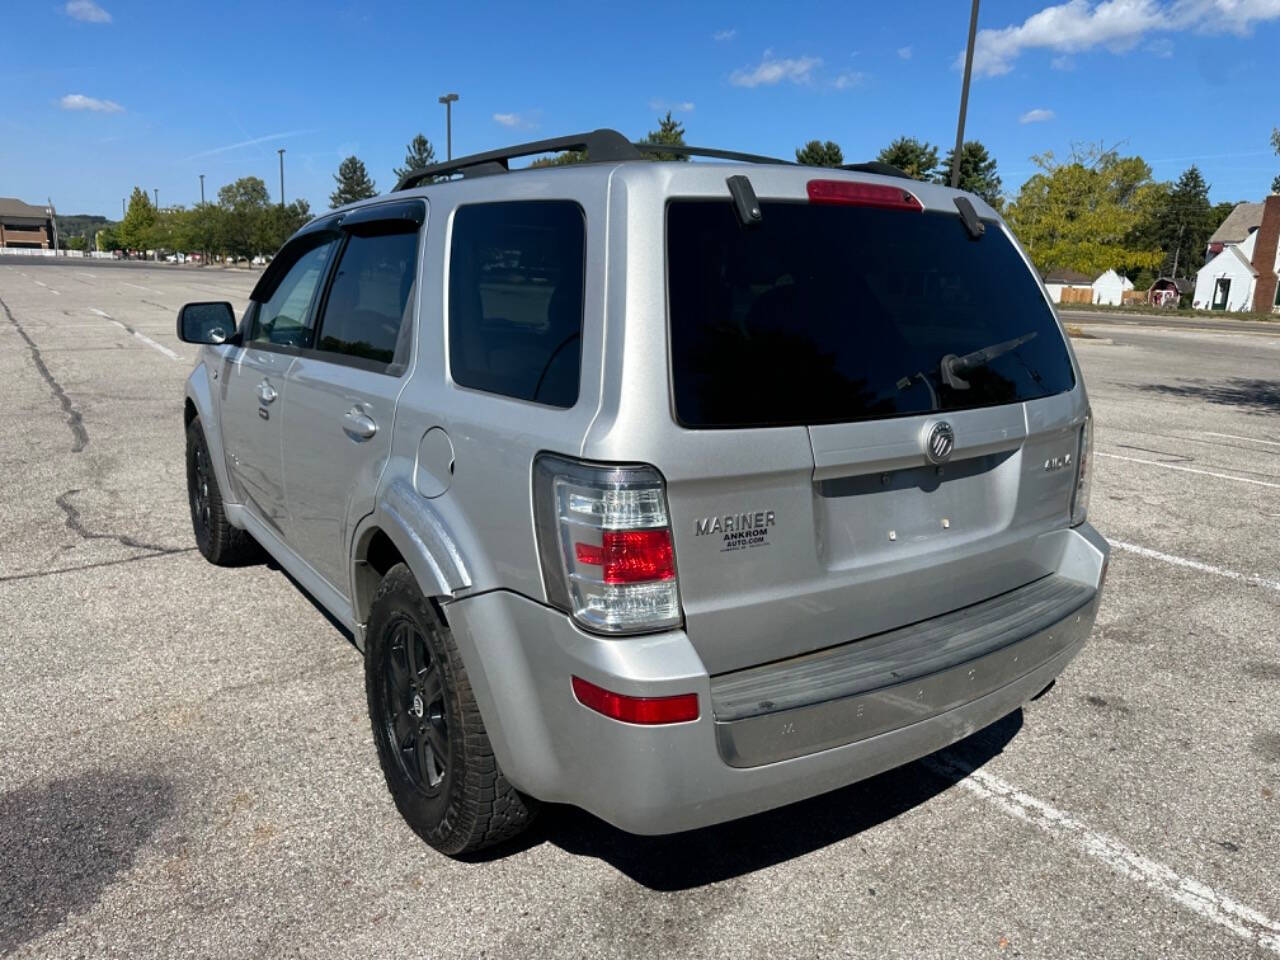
(676, 491)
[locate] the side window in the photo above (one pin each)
(515, 299)
(282, 317)
(364, 314)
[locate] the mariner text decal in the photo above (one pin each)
(737, 531)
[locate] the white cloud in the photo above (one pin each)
(849, 79)
(905, 52)
(1038, 115)
(78, 101)
(720, 36)
(86, 10)
(1115, 25)
(675, 106)
(772, 70)
(507, 119)
(1063, 63)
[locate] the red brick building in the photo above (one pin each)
(24, 226)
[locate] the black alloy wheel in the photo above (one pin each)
(414, 708)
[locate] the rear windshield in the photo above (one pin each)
(827, 314)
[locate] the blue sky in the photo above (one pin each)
(105, 94)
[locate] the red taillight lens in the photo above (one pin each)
(856, 194)
(630, 556)
(644, 710)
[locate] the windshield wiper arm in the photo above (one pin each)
(952, 365)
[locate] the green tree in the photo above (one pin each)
(353, 183)
(1275, 143)
(106, 239)
(1179, 223)
(670, 132)
(279, 223)
(564, 159)
(418, 154)
(138, 222)
(243, 208)
(816, 153)
(977, 172)
(77, 243)
(918, 159)
(1084, 214)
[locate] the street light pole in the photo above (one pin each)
(449, 99)
(156, 191)
(202, 189)
(53, 218)
(964, 97)
(122, 208)
(281, 152)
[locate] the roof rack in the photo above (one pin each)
(600, 145)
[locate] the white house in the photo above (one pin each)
(1068, 286)
(1110, 288)
(1242, 276)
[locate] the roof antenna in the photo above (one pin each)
(744, 201)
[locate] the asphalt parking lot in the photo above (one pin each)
(186, 768)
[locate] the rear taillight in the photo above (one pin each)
(1084, 473)
(681, 708)
(604, 538)
(856, 194)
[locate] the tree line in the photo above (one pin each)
(242, 223)
(1092, 211)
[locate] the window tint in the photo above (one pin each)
(515, 299)
(282, 317)
(369, 296)
(825, 314)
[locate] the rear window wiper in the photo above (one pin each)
(953, 366)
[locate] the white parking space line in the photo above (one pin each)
(141, 336)
(1196, 565)
(1233, 436)
(137, 286)
(1187, 892)
(39, 283)
(1206, 473)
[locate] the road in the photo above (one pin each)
(186, 767)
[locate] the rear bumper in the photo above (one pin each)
(521, 655)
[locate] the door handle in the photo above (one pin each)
(266, 392)
(359, 425)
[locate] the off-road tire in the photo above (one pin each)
(473, 806)
(217, 540)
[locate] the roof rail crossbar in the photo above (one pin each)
(680, 150)
(603, 144)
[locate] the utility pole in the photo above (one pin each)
(449, 99)
(122, 208)
(53, 218)
(964, 97)
(156, 191)
(281, 152)
(202, 189)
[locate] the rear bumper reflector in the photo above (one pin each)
(681, 708)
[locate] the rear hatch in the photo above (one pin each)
(867, 330)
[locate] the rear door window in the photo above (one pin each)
(364, 314)
(828, 314)
(515, 299)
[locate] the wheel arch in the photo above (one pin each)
(404, 528)
(200, 401)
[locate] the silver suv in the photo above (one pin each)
(675, 491)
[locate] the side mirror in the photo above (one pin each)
(211, 323)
